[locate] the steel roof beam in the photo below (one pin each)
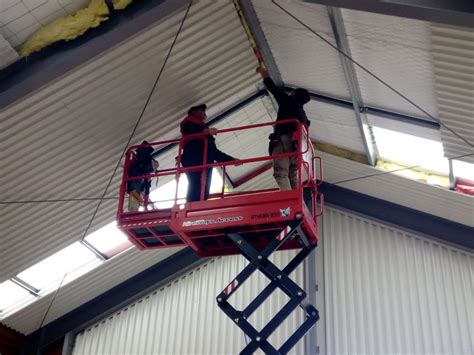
(259, 36)
(457, 13)
(396, 116)
(338, 28)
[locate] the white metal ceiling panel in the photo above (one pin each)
(64, 140)
(453, 57)
(334, 125)
(434, 200)
(302, 58)
(245, 144)
(398, 50)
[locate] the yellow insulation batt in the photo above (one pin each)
(414, 173)
(121, 4)
(70, 27)
(340, 152)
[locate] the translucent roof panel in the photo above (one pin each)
(109, 240)
(463, 170)
(163, 197)
(73, 261)
(11, 295)
(411, 150)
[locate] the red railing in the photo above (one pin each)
(307, 170)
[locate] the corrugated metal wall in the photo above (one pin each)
(381, 291)
(183, 318)
(392, 292)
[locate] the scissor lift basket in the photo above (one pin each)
(252, 223)
(205, 225)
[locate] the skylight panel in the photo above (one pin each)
(109, 240)
(411, 150)
(163, 197)
(74, 260)
(12, 295)
(216, 182)
(463, 170)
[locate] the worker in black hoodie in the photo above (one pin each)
(290, 106)
(193, 151)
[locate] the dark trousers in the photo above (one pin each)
(194, 185)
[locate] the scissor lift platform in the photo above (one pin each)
(251, 223)
(204, 225)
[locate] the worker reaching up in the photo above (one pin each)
(193, 151)
(290, 106)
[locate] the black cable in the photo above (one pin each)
(46, 314)
(116, 198)
(374, 174)
(374, 76)
(138, 121)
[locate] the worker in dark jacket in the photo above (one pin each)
(290, 106)
(193, 151)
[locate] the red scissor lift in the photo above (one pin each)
(252, 223)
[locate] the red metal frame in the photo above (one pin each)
(203, 225)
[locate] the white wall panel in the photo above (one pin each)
(183, 318)
(392, 292)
